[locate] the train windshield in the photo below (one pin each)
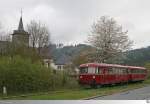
(89, 70)
(83, 70)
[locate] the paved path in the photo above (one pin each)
(137, 94)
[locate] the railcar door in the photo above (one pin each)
(129, 75)
(102, 76)
(99, 75)
(105, 76)
(119, 75)
(117, 72)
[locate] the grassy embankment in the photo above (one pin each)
(81, 93)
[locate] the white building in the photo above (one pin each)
(57, 66)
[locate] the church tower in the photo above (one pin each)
(20, 37)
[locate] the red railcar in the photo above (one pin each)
(99, 74)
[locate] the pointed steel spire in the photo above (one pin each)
(20, 27)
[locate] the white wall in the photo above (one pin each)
(57, 67)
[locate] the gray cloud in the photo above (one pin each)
(70, 20)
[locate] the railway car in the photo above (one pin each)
(95, 74)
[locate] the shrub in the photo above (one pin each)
(21, 75)
(62, 79)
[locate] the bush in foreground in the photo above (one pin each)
(22, 75)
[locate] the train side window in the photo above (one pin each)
(124, 71)
(135, 71)
(138, 71)
(142, 71)
(110, 71)
(121, 71)
(118, 71)
(132, 71)
(91, 70)
(115, 70)
(128, 71)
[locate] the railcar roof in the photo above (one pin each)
(110, 65)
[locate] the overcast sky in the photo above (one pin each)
(70, 20)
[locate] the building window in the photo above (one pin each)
(59, 67)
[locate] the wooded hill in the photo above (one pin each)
(136, 57)
(65, 54)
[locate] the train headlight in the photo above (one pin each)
(93, 77)
(80, 76)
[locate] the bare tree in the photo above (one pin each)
(4, 35)
(109, 39)
(5, 40)
(39, 34)
(1, 31)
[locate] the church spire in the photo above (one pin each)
(20, 27)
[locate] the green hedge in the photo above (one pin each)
(21, 75)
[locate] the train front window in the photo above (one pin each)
(83, 70)
(89, 70)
